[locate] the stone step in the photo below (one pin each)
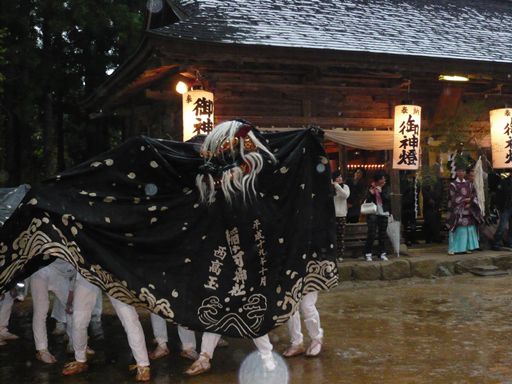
(431, 265)
(487, 270)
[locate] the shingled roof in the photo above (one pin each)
(459, 29)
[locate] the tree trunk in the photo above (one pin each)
(12, 149)
(49, 142)
(61, 164)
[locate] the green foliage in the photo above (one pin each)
(53, 55)
(428, 175)
(455, 131)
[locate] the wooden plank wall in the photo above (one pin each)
(284, 100)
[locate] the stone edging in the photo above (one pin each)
(420, 266)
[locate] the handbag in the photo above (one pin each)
(368, 208)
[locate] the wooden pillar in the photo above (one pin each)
(396, 196)
(342, 156)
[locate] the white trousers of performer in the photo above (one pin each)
(59, 311)
(210, 340)
(187, 337)
(43, 281)
(5, 312)
(85, 297)
(311, 320)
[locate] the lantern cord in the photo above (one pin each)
(415, 197)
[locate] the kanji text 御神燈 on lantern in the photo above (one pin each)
(501, 138)
(198, 113)
(406, 142)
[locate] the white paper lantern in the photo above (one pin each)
(501, 138)
(198, 117)
(406, 141)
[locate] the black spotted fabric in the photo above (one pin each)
(130, 221)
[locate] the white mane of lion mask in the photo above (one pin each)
(233, 158)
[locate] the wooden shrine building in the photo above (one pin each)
(338, 64)
(333, 63)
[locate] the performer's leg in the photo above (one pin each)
(85, 295)
(208, 343)
(295, 329)
(131, 324)
(312, 323)
(188, 343)
(202, 365)
(159, 329)
(41, 305)
(84, 298)
(5, 314)
(265, 349)
(61, 286)
(95, 325)
(297, 338)
(59, 314)
(159, 326)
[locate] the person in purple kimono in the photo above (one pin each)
(464, 215)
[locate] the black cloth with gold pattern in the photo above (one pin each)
(130, 221)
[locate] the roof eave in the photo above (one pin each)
(126, 70)
(341, 56)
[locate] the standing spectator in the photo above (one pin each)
(504, 204)
(342, 193)
(432, 197)
(464, 214)
(357, 189)
(378, 223)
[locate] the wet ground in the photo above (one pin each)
(450, 330)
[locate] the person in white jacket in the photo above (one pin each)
(342, 193)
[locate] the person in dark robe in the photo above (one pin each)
(504, 205)
(357, 187)
(464, 214)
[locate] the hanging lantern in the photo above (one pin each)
(406, 144)
(501, 138)
(181, 87)
(197, 113)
